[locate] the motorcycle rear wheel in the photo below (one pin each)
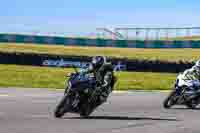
(192, 104)
(85, 110)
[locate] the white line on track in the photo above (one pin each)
(40, 95)
(38, 116)
(4, 95)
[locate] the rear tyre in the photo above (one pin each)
(61, 108)
(169, 101)
(84, 114)
(192, 104)
(85, 111)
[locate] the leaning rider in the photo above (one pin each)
(103, 73)
(191, 78)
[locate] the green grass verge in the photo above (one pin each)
(43, 77)
(131, 53)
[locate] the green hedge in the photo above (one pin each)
(98, 42)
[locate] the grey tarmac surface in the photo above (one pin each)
(31, 111)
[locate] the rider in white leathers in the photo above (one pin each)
(191, 78)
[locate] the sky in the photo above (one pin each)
(82, 17)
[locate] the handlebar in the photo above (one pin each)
(75, 68)
(76, 71)
(68, 75)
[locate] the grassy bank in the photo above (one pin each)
(43, 77)
(131, 53)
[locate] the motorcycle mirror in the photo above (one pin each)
(68, 75)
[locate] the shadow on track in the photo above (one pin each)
(182, 108)
(121, 118)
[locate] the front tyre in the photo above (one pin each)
(169, 101)
(61, 107)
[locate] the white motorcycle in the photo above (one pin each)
(181, 95)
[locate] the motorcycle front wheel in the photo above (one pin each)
(62, 107)
(169, 101)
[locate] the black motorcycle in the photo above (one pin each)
(180, 96)
(78, 96)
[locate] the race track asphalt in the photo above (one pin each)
(31, 111)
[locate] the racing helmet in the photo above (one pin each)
(98, 61)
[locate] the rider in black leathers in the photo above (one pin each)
(104, 76)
